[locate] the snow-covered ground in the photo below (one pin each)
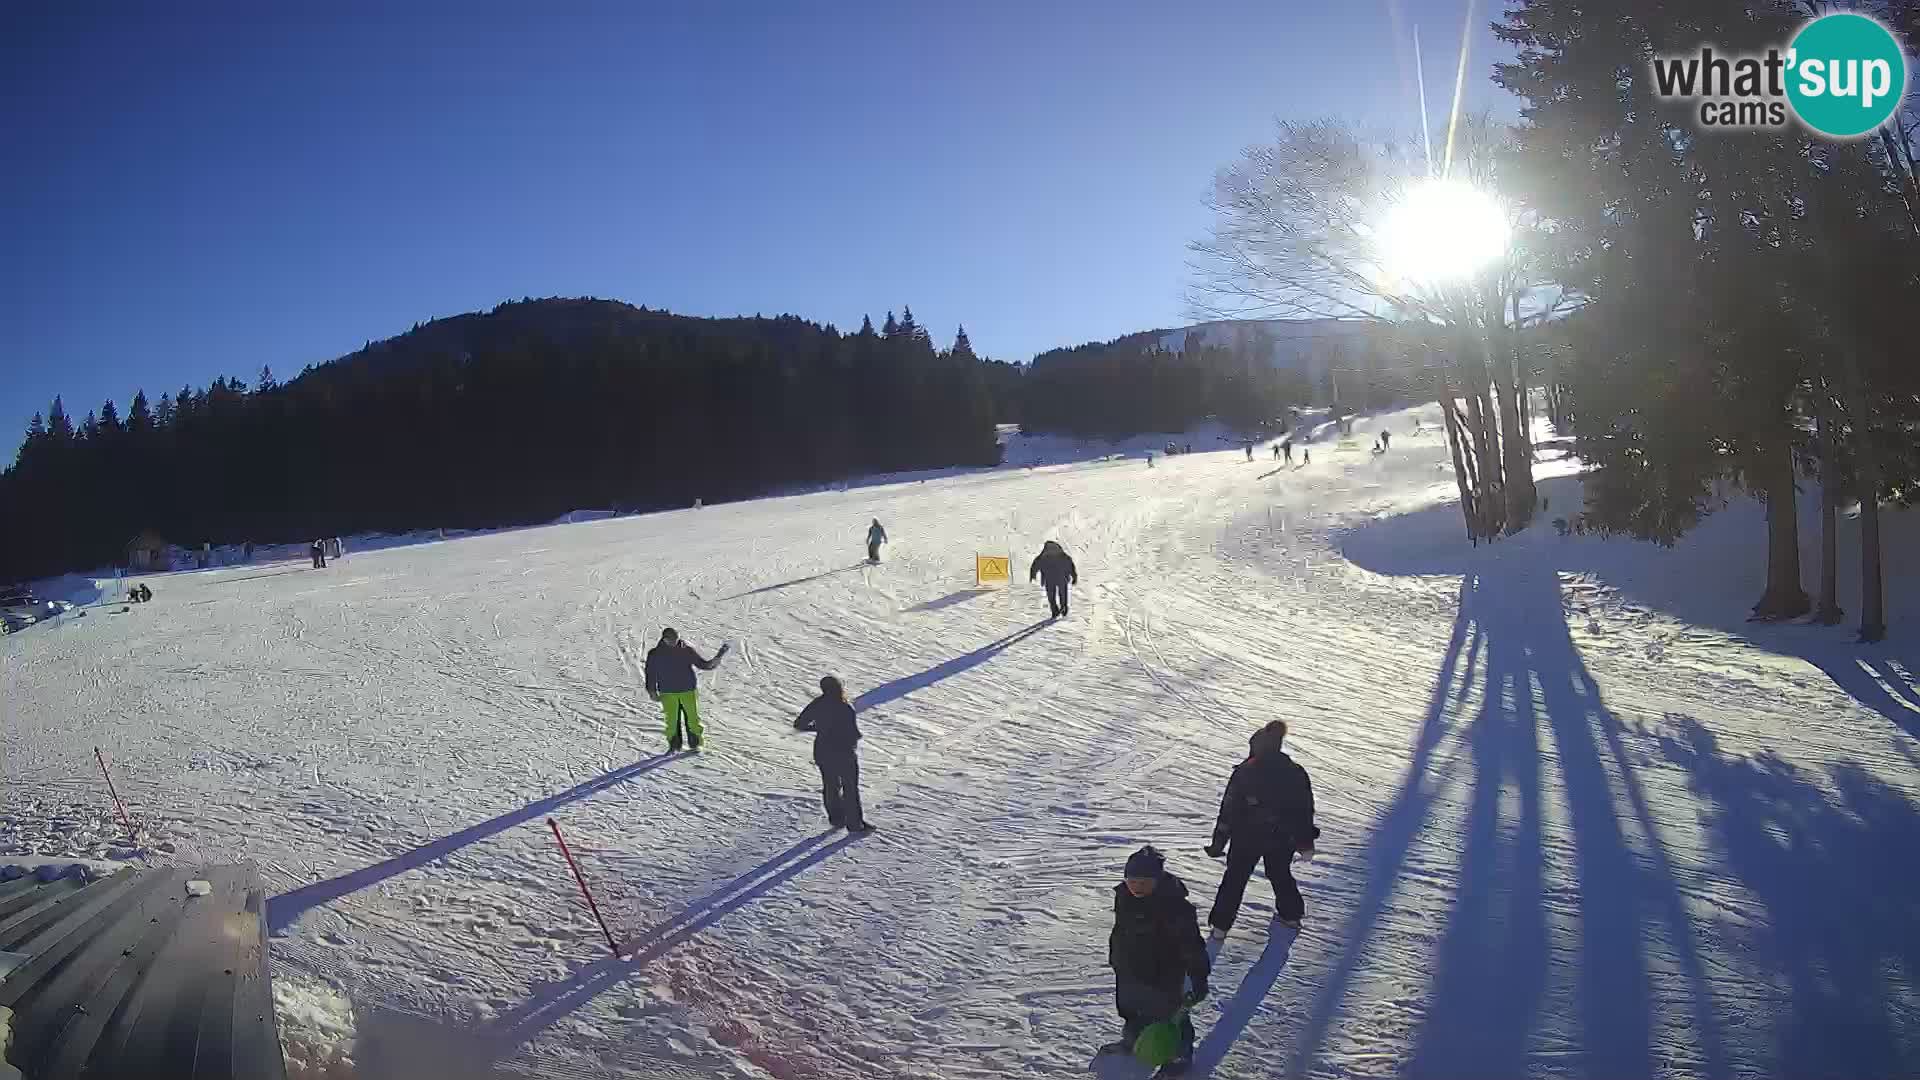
(1579, 820)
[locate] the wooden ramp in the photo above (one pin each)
(132, 975)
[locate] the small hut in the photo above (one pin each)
(148, 552)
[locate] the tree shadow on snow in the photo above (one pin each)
(907, 684)
(1710, 578)
(283, 909)
(1498, 956)
(1838, 892)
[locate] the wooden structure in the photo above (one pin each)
(147, 552)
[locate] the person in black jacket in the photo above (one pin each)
(1154, 950)
(1265, 816)
(1054, 567)
(835, 736)
(671, 682)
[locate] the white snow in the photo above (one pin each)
(1579, 818)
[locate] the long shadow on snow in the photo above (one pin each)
(1497, 955)
(795, 581)
(1840, 891)
(1240, 1009)
(950, 599)
(282, 910)
(551, 1003)
(907, 684)
(1709, 578)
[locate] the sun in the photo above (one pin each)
(1441, 231)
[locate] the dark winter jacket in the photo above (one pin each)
(831, 721)
(1054, 566)
(876, 534)
(1156, 938)
(670, 668)
(1269, 802)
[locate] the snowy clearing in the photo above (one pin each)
(1578, 819)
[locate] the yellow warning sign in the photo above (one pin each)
(993, 569)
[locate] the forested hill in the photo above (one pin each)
(509, 416)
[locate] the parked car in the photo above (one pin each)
(20, 609)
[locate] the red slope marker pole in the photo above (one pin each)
(125, 822)
(584, 891)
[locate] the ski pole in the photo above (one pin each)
(584, 891)
(125, 821)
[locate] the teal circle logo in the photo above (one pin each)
(1845, 75)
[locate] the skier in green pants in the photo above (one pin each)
(671, 682)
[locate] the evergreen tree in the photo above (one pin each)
(891, 329)
(962, 348)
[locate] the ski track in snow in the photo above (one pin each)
(1563, 835)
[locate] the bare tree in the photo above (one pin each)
(1298, 233)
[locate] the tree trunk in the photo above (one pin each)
(1784, 598)
(1828, 611)
(1516, 446)
(1454, 441)
(1873, 616)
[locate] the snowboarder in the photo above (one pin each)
(875, 537)
(1154, 950)
(1055, 569)
(671, 682)
(835, 736)
(319, 553)
(1265, 816)
(1286, 448)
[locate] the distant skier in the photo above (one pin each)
(672, 683)
(875, 537)
(1055, 569)
(1286, 448)
(835, 737)
(1249, 451)
(1386, 440)
(1265, 816)
(319, 553)
(1276, 451)
(1149, 459)
(1155, 948)
(1306, 455)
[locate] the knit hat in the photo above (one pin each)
(1146, 863)
(669, 634)
(830, 686)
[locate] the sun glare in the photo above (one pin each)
(1441, 231)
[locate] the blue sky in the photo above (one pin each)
(203, 193)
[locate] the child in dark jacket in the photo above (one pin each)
(1154, 950)
(835, 735)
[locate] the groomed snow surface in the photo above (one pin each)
(1579, 819)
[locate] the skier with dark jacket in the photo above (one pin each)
(875, 537)
(672, 683)
(1265, 816)
(1055, 569)
(835, 737)
(1154, 950)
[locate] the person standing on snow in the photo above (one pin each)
(318, 551)
(1265, 816)
(1154, 950)
(1055, 569)
(672, 683)
(835, 736)
(875, 537)
(1249, 451)
(1286, 449)
(1386, 440)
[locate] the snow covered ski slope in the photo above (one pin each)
(1566, 832)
